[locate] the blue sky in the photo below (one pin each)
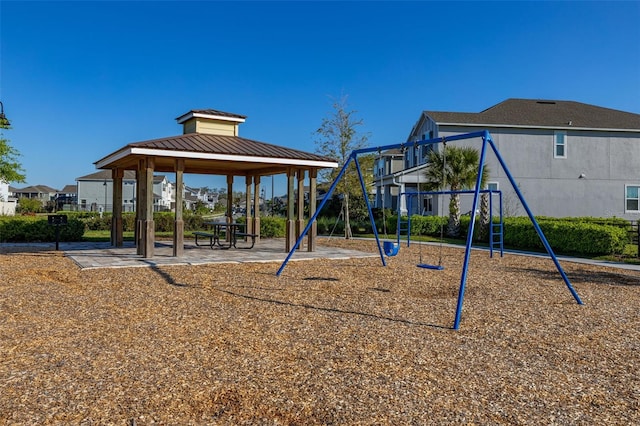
(79, 80)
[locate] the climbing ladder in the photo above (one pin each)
(403, 228)
(496, 229)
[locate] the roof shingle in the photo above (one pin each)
(543, 113)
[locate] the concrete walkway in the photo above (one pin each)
(561, 258)
(91, 255)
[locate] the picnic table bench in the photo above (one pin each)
(244, 235)
(213, 238)
(218, 232)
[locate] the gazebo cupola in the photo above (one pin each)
(211, 122)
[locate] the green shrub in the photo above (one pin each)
(327, 225)
(29, 205)
(164, 221)
(272, 227)
(564, 236)
(37, 229)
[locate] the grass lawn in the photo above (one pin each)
(630, 254)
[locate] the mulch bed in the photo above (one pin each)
(344, 342)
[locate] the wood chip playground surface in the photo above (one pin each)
(329, 342)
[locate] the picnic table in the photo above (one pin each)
(225, 235)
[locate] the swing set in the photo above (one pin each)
(487, 141)
(495, 228)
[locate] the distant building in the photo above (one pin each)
(67, 198)
(568, 158)
(7, 201)
(94, 192)
(43, 193)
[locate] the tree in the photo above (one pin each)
(459, 173)
(10, 169)
(29, 205)
(337, 137)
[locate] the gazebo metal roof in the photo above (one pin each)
(214, 154)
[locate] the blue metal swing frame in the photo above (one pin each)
(486, 141)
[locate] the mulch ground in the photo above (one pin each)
(344, 342)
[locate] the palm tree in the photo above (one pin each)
(456, 168)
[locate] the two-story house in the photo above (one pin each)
(568, 158)
(7, 202)
(95, 192)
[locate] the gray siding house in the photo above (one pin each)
(568, 158)
(95, 192)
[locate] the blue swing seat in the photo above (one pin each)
(390, 248)
(427, 266)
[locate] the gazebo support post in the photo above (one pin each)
(247, 202)
(300, 204)
(148, 230)
(313, 232)
(139, 208)
(290, 231)
(178, 224)
(229, 213)
(116, 218)
(256, 207)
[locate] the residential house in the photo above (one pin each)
(95, 192)
(67, 198)
(7, 201)
(567, 158)
(204, 195)
(43, 193)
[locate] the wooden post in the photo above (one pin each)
(148, 230)
(247, 201)
(290, 231)
(300, 206)
(139, 207)
(229, 218)
(116, 218)
(256, 207)
(313, 231)
(178, 224)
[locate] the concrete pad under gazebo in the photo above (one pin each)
(210, 145)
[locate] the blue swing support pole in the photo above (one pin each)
(486, 140)
(352, 157)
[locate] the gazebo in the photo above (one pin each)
(210, 145)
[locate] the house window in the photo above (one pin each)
(559, 144)
(632, 198)
(427, 205)
(492, 186)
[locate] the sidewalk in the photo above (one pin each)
(88, 255)
(92, 255)
(561, 258)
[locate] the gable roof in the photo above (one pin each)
(211, 113)
(543, 113)
(214, 154)
(35, 189)
(69, 189)
(106, 175)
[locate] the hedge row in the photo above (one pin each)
(565, 236)
(589, 236)
(36, 229)
(581, 236)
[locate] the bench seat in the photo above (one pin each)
(245, 235)
(213, 238)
